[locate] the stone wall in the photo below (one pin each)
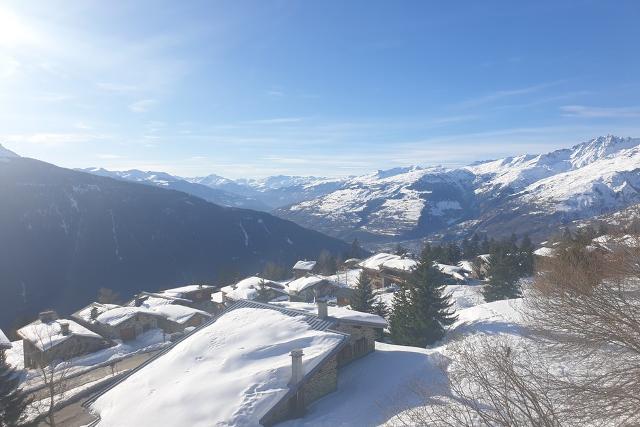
(362, 341)
(321, 383)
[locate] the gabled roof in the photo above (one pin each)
(4, 341)
(303, 283)
(385, 260)
(177, 313)
(85, 313)
(305, 265)
(244, 357)
(45, 335)
(118, 315)
(185, 290)
(248, 288)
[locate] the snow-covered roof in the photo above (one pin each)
(546, 252)
(305, 265)
(244, 357)
(485, 257)
(117, 315)
(217, 297)
(466, 266)
(176, 313)
(183, 290)
(46, 335)
(452, 270)
(303, 283)
(339, 313)
(85, 313)
(385, 260)
(4, 341)
(248, 288)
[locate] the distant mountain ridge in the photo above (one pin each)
(66, 233)
(5, 152)
(171, 182)
(523, 194)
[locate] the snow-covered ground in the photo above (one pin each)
(375, 388)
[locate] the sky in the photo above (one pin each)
(255, 88)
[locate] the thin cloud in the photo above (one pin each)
(600, 112)
(502, 94)
(142, 106)
(117, 87)
(276, 121)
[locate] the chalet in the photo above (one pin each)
(302, 268)
(176, 317)
(385, 269)
(49, 339)
(310, 288)
(5, 344)
(196, 296)
(125, 323)
(263, 364)
(255, 288)
(483, 261)
(454, 274)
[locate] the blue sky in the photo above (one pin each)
(253, 88)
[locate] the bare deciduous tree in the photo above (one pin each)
(578, 362)
(54, 376)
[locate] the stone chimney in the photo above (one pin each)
(199, 285)
(323, 310)
(94, 313)
(296, 366)
(48, 316)
(64, 328)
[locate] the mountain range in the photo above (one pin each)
(67, 233)
(531, 194)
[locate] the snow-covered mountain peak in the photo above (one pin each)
(396, 171)
(5, 152)
(599, 148)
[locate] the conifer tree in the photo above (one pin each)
(502, 276)
(381, 309)
(13, 400)
(526, 256)
(363, 298)
(421, 310)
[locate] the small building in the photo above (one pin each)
(125, 323)
(5, 344)
(310, 288)
(302, 268)
(263, 364)
(175, 317)
(385, 270)
(49, 339)
(454, 274)
(196, 296)
(255, 288)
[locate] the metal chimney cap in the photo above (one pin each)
(297, 352)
